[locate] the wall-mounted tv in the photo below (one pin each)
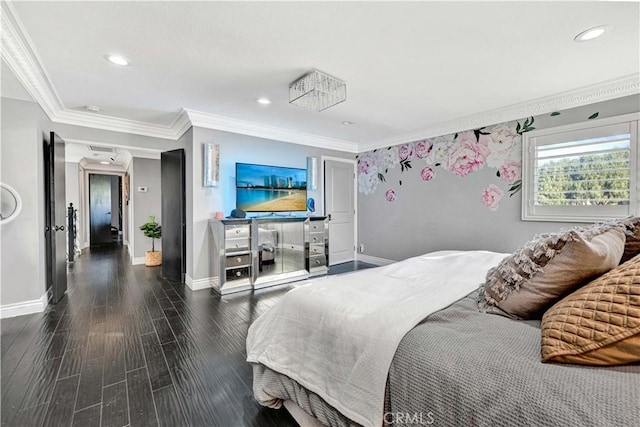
(261, 188)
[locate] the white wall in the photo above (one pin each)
(202, 202)
(145, 173)
(22, 275)
(447, 213)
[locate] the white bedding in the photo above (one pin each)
(337, 336)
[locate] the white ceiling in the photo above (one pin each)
(408, 65)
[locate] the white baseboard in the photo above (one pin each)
(369, 259)
(25, 307)
(137, 260)
(198, 284)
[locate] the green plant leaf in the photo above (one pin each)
(593, 116)
(555, 113)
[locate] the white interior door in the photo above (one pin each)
(339, 179)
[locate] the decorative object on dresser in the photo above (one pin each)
(153, 231)
(261, 252)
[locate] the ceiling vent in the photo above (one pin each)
(101, 149)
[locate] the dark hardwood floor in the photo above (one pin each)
(128, 348)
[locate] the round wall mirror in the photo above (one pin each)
(10, 203)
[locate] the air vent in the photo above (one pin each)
(101, 149)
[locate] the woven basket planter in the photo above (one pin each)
(153, 258)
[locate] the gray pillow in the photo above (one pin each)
(549, 267)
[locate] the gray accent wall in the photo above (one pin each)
(145, 173)
(203, 202)
(22, 275)
(447, 212)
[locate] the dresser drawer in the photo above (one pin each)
(316, 250)
(233, 231)
(238, 273)
(237, 245)
(316, 226)
(317, 261)
(238, 260)
(316, 238)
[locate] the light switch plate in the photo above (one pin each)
(143, 189)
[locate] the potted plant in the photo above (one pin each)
(152, 230)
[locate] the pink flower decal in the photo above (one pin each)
(422, 149)
(510, 172)
(367, 164)
(491, 197)
(427, 174)
(467, 155)
(405, 151)
(390, 195)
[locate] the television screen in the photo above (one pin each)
(261, 188)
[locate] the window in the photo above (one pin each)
(583, 172)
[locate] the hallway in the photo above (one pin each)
(126, 347)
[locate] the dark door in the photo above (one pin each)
(99, 209)
(55, 216)
(173, 215)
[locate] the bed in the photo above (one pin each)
(455, 366)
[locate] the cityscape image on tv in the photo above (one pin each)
(261, 188)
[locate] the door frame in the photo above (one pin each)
(354, 163)
(85, 201)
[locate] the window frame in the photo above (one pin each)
(572, 213)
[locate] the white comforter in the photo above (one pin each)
(337, 336)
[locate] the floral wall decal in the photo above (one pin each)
(491, 197)
(464, 153)
(390, 195)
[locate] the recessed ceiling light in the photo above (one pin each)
(118, 60)
(263, 101)
(347, 122)
(104, 163)
(591, 33)
(93, 108)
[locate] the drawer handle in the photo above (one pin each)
(238, 274)
(237, 231)
(238, 260)
(317, 261)
(315, 250)
(237, 245)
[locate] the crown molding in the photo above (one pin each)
(616, 88)
(212, 121)
(21, 56)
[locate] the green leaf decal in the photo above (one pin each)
(498, 174)
(555, 113)
(593, 116)
(381, 177)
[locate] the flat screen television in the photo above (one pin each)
(262, 188)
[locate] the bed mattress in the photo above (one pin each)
(463, 367)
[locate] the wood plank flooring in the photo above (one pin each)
(128, 348)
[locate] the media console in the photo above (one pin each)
(260, 252)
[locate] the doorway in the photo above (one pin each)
(340, 207)
(105, 209)
(55, 216)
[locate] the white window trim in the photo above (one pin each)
(528, 212)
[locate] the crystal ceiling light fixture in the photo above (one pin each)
(317, 91)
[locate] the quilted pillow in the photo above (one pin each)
(547, 268)
(599, 324)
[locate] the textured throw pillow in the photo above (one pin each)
(547, 268)
(631, 226)
(632, 243)
(599, 324)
